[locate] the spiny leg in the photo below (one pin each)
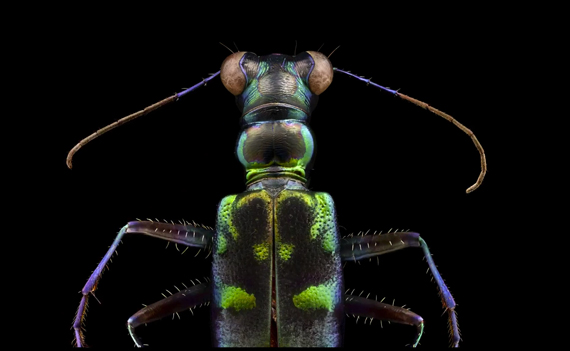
(185, 234)
(358, 247)
(364, 246)
(361, 306)
(181, 301)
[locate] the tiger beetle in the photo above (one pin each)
(276, 278)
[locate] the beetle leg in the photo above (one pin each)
(183, 300)
(188, 235)
(361, 306)
(360, 247)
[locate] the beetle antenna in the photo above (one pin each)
(333, 51)
(222, 44)
(441, 114)
(295, 51)
(235, 45)
(319, 49)
(132, 116)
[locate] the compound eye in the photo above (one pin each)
(322, 74)
(232, 74)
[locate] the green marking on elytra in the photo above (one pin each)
(236, 298)
(225, 215)
(247, 197)
(317, 297)
(261, 251)
(302, 195)
(324, 222)
(222, 244)
(285, 251)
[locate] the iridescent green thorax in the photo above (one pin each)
(276, 106)
(276, 149)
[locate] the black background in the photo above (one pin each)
(387, 164)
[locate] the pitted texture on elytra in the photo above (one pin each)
(241, 296)
(261, 251)
(325, 222)
(285, 250)
(293, 223)
(309, 308)
(246, 198)
(222, 244)
(225, 215)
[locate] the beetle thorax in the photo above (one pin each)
(276, 95)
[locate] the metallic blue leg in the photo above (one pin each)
(184, 234)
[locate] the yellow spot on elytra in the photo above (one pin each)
(261, 251)
(237, 298)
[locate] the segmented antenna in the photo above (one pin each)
(333, 52)
(222, 44)
(441, 114)
(130, 117)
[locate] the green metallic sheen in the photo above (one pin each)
(281, 229)
(236, 298)
(247, 197)
(285, 250)
(261, 251)
(303, 195)
(275, 265)
(317, 297)
(296, 133)
(241, 276)
(222, 245)
(276, 105)
(297, 173)
(225, 216)
(419, 335)
(324, 223)
(253, 93)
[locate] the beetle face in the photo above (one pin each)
(313, 68)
